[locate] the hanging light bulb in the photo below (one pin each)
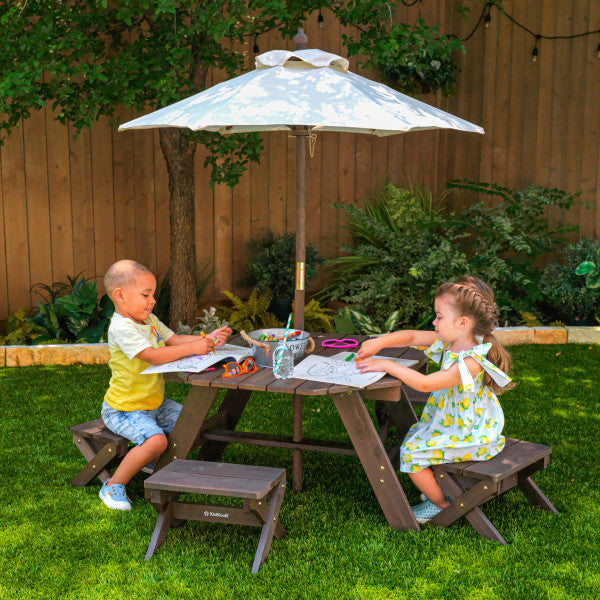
(487, 19)
(598, 49)
(535, 50)
(320, 19)
(255, 48)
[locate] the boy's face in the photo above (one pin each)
(136, 301)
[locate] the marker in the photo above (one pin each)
(349, 357)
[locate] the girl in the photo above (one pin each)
(462, 419)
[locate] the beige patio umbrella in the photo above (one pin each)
(304, 91)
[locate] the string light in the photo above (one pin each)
(255, 48)
(535, 51)
(320, 19)
(485, 18)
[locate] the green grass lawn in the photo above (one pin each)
(57, 541)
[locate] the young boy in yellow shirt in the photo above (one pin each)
(134, 405)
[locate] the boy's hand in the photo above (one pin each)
(368, 348)
(202, 346)
(219, 336)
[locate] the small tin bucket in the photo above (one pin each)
(263, 350)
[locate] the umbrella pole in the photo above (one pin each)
(300, 133)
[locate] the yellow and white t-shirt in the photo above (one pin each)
(128, 389)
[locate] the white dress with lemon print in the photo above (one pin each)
(461, 423)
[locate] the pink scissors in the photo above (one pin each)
(345, 343)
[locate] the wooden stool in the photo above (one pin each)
(471, 484)
(100, 446)
(253, 484)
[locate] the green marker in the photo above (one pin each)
(349, 357)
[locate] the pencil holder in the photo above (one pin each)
(300, 344)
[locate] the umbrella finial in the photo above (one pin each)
(301, 40)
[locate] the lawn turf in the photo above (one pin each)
(57, 541)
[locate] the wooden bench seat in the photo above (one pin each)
(260, 488)
(471, 484)
(100, 447)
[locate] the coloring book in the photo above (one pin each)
(198, 362)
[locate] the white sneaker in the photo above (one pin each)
(114, 496)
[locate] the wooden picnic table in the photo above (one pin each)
(194, 430)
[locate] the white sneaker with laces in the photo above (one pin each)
(114, 496)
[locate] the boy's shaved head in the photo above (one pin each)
(122, 274)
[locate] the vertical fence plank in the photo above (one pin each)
(124, 191)
(15, 218)
(3, 261)
(38, 210)
(59, 193)
(143, 185)
(590, 164)
(161, 199)
(103, 194)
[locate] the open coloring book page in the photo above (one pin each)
(334, 370)
(199, 362)
(405, 362)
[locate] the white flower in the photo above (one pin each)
(436, 64)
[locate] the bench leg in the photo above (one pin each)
(535, 495)
(466, 503)
(266, 535)
(160, 531)
(97, 461)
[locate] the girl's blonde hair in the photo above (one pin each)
(474, 298)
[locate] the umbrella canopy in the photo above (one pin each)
(302, 91)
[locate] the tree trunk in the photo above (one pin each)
(179, 157)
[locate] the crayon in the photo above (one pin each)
(349, 357)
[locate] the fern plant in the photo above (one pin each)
(251, 314)
(316, 317)
(20, 332)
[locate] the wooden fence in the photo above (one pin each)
(69, 205)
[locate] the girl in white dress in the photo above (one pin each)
(462, 420)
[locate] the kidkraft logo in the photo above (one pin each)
(210, 513)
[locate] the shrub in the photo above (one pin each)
(402, 251)
(564, 291)
(71, 312)
(272, 264)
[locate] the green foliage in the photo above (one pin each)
(414, 58)
(591, 270)
(316, 317)
(402, 251)
(565, 292)
(19, 331)
(207, 323)
(272, 264)
(252, 314)
(364, 325)
(71, 312)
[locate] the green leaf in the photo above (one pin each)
(585, 267)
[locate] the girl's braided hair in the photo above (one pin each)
(474, 298)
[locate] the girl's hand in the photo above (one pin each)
(219, 336)
(374, 365)
(368, 348)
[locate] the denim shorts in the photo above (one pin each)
(139, 425)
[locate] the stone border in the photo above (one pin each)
(98, 354)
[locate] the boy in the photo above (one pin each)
(134, 405)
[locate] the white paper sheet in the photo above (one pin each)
(199, 362)
(334, 370)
